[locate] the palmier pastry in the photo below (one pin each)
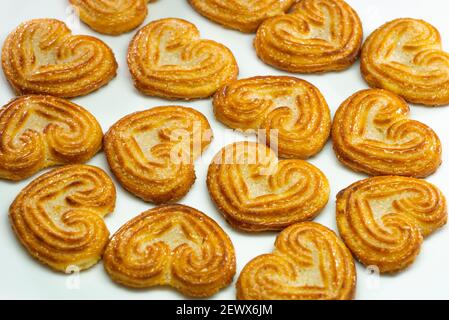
(291, 110)
(405, 56)
(172, 245)
(372, 134)
(317, 36)
(168, 59)
(59, 216)
(152, 152)
(41, 131)
(309, 262)
(256, 192)
(383, 219)
(112, 16)
(43, 57)
(242, 15)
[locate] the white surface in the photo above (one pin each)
(22, 277)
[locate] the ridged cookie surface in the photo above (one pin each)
(316, 36)
(309, 262)
(42, 56)
(372, 133)
(405, 56)
(290, 111)
(168, 59)
(172, 245)
(41, 131)
(58, 217)
(383, 219)
(257, 192)
(152, 152)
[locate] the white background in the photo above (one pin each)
(22, 277)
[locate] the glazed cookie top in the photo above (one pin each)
(39, 131)
(172, 245)
(168, 59)
(242, 15)
(373, 134)
(42, 56)
(405, 56)
(58, 217)
(315, 36)
(309, 262)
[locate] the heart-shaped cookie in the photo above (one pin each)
(112, 16)
(41, 131)
(59, 216)
(257, 192)
(289, 109)
(405, 56)
(242, 15)
(316, 36)
(372, 134)
(172, 245)
(42, 56)
(309, 262)
(152, 152)
(383, 219)
(168, 59)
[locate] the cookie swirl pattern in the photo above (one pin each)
(41, 131)
(172, 245)
(43, 57)
(152, 152)
(112, 16)
(242, 15)
(257, 192)
(290, 109)
(405, 56)
(316, 36)
(372, 134)
(59, 216)
(383, 219)
(309, 263)
(168, 59)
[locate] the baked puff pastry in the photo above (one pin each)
(168, 59)
(383, 219)
(112, 17)
(59, 216)
(257, 192)
(309, 262)
(372, 134)
(152, 152)
(316, 36)
(172, 245)
(242, 15)
(405, 56)
(43, 57)
(287, 109)
(39, 131)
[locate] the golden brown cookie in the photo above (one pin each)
(172, 245)
(112, 17)
(152, 152)
(383, 219)
(287, 109)
(316, 36)
(257, 192)
(168, 59)
(37, 132)
(372, 134)
(405, 56)
(241, 15)
(58, 217)
(309, 262)
(43, 57)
